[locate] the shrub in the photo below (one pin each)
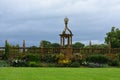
(33, 64)
(50, 58)
(75, 64)
(32, 57)
(61, 56)
(4, 64)
(52, 65)
(78, 57)
(114, 59)
(94, 65)
(18, 63)
(105, 65)
(97, 58)
(114, 62)
(63, 61)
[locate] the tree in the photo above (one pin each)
(55, 45)
(7, 50)
(97, 46)
(113, 37)
(78, 45)
(45, 44)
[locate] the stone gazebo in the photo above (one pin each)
(66, 40)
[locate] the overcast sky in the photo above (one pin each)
(36, 20)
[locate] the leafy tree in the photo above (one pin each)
(45, 44)
(113, 37)
(55, 45)
(33, 47)
(78, 45)
(97, 46)
(7, 50)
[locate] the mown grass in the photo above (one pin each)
(59, 74)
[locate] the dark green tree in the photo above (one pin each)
(113, 37)
(78, 45)
(45, 44)
(32, 49)
(55, 45)
(97, 46)
(7, 50)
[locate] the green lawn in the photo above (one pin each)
(59, 74)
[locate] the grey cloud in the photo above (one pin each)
(34, 20)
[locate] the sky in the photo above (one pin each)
(36, 20)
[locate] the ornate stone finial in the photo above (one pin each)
(66, 20)
(66, 27)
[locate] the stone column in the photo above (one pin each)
(63, 42)
(24, 46)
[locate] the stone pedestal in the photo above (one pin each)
(67, 52)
